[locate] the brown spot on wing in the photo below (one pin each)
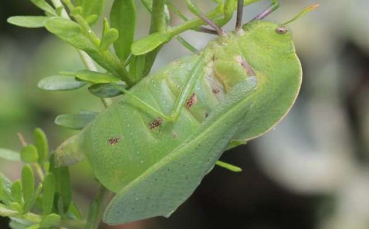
(247, 67)
(156, 123)
(216, 90)
(113, 141)
(192, 101)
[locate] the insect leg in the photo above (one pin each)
(239, 15)
(142, 103)
(195, 10)
(274, 6)
(228, 166)
(187, 88)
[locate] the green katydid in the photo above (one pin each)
(154, 146)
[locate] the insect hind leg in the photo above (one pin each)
(269, 10)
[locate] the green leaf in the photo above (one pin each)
(28, 21)
(63, 185)
(96, 77)
(91, 7)
(123, 18)
(148, 6)
(42, 4)
(17, 192)
(28, 186)
(51, 220)
(1, 189)
(149, 43)
(60, 83)
(29, 154)
(107, 90)
(16, 207)
(17, 223)
(69, 32)
(76, 121)
(229, 7)
(137, 67)
(6, 189)
(36, 226)
(41, 144)
(9, 155)
(48, 194)
(73, 212)
(108, 38)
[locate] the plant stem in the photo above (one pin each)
(97, 208)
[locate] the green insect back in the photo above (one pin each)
(246, 82)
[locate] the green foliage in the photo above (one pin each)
(28, 21)
(60, 83)
(41, 144)
(123, 18)
(90, 8)
(29, 154)
(76, 121)
(28, 185)
(10, 155)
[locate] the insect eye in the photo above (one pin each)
(281, 30)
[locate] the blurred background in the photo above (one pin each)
(310, 172)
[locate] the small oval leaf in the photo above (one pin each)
(50, 221)
(28, 186)
(108, 38)
(29, 154)
(41, 144)
(60, 83)
(42, 4)
(48, 194)
(69, 32)
(28, 21)
(91, 7)
(76, 121)
(16, 190)
(123, 18)
(9, 155)
(96, 77)
(107, 90)
(149, 43)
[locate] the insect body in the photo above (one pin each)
(154, 171)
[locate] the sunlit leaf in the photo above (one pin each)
(96, 77)
(42, 4)
(16, 190)
(28, 21)
(60, 83)
(76, 121)
(9, 155)
(149, 43)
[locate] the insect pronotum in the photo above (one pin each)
(154, 146)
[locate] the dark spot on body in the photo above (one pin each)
(216, 90)
(156, 123)
(192, 101)
(281, 30)
(113, 141)
(206, 114)
(247, 67)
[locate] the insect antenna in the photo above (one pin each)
(195, 10)
(239, 15)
